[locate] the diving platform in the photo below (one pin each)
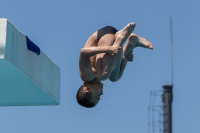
(27, 76)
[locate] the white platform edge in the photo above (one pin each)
(3, 25)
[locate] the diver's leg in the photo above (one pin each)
(132, 42)
(105, 63)
(120, 67)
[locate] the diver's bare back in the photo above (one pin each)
(87, 64)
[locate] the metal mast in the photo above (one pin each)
(168, 94)
(167, 108)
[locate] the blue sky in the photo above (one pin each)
(60, 29)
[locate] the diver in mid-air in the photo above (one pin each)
(104, 57)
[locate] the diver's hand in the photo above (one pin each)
(114, 50)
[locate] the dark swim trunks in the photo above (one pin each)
(106, 30)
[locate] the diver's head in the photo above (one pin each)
(89, 94)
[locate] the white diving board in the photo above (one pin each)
(26, 78)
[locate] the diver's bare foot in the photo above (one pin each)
(125, 32)
(139, 41)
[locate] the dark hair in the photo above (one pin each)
(84, 99)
